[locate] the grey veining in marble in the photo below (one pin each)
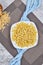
(6, 3)
(5, 56)
(39, 12)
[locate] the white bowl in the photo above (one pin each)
(14, 43)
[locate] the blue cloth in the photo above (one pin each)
(30, 7)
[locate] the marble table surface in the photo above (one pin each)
(5, 56)
(6, 3)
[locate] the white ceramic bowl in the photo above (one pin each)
(14, 43)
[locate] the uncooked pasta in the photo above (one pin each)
(24, 34)
(4, 20)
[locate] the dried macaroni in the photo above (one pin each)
(24, 34)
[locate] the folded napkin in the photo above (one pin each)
(30, 7)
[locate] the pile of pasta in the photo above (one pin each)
(4, 20)
(24, 34)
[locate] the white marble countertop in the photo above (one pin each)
(6, 3)
(5, 56)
